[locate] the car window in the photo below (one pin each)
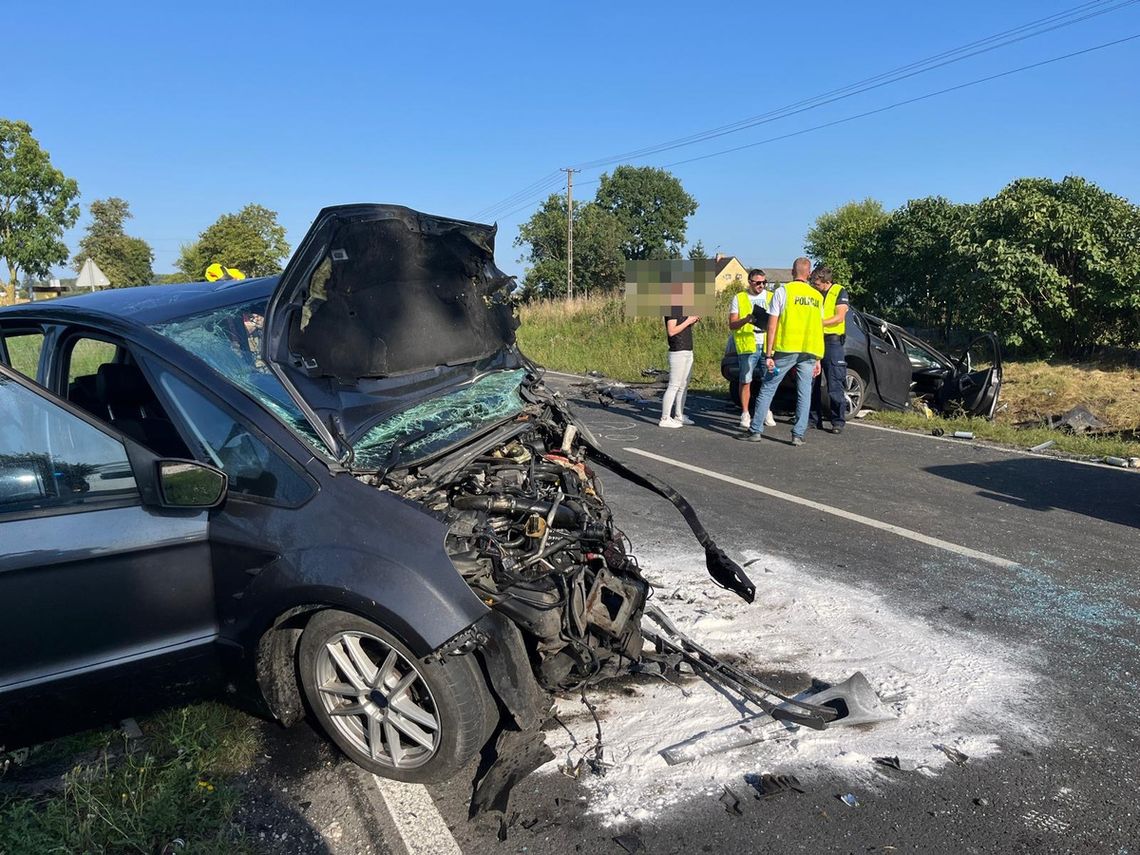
(23, 349)
(87, 354)
(253, 468)
(50, 458)
(229, 341)
(920, 357)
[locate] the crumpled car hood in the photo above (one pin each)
(381, 303)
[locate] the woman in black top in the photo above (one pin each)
(679, 330)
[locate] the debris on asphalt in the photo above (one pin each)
(767, 786)
(505, 824)
(862, 414)
(517, 754)
(1077, 420)
(1122, 462)
(629, 842)
(608, 392)
(937, 432)
(902, 764)
(731, 802)
(738, 734)
(954, 754)
(981, 802)
(595, 374)
(652, 372)
(849, 799)
(963, 434)
(1049, 443)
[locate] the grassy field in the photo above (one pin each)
(115, 796)
(593, 334)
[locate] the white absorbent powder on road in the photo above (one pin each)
(961, 690)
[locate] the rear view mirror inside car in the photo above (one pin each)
(185, 484)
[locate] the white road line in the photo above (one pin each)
(417, 819)
(1004, 563)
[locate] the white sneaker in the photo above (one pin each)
(669, 423)
(745, 420)
(685, 420)
(768, 420)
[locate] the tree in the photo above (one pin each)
(698, 250)
(37, 202)
(912, 271)
(651, 207)
(250, 240)
(598, 262)
(1055, 266)
(125, 260)
(843, 239)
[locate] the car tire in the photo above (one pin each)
(855, 391)
(420, 722)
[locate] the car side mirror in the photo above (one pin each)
(186, 484)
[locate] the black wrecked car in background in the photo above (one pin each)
(888, 368)
(340, 492)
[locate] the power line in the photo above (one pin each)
(1065, 18)
(902, 103)
(546, 181)
(875, 111)
(1003, 39)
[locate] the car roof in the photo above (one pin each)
(149, 304)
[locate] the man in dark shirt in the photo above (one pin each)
(834, 363)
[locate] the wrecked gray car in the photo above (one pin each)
(342, 491)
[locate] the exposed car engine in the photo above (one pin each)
(533, 537)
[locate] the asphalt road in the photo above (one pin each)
(1004, 549)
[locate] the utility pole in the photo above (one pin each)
(569, 231)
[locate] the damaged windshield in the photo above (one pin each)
(440, 422)
(229, 341)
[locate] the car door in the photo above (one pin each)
(106, 603)
(891, 369)
(975, 382)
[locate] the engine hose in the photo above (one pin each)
(564, 517)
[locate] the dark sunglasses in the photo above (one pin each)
(758, 282)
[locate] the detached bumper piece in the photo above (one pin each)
(853, 701)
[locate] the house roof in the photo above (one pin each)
(778, 274)
(726, 260)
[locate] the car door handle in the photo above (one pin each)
(879, 349)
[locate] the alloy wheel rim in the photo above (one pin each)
(378, 700)
(853, 392)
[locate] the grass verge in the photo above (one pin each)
(140, 795)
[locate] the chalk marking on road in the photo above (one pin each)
(417, 819)
(1004, 563)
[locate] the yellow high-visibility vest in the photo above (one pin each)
(800, 329)
(829, 310)
(744, 335)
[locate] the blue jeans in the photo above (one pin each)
(804, 364)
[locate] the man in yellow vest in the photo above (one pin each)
(747, 318)
(794, 341)
(833, 366)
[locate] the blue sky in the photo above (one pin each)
(189, 111)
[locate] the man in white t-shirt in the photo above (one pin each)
(748, 332)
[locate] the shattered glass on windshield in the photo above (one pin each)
(440, 422)
(229, 341)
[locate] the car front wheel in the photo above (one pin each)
(390, 712)
(854, 390)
